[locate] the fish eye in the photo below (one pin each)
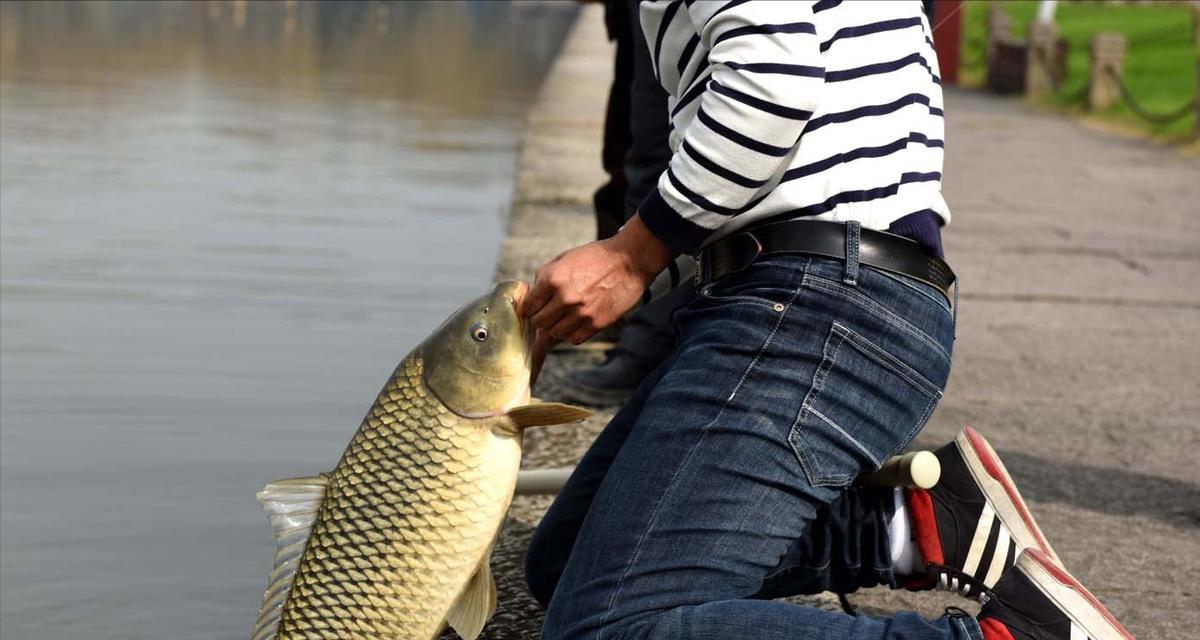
(479, 332)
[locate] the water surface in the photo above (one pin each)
(221, 225)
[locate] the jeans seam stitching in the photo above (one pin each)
(940, 300)
(874, 307)
(858, 445)
(933, 396)
(966, 632)
(771, 336)
(650, 524)
(818, 385)
(762, 302)
(891, 363)
(917, 426)
(686, 460)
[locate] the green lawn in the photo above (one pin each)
(1160, 61)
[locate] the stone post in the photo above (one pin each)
(1108, 53)
(1196, 35)
(1196, 21)
(1039, 65)
(999, 28)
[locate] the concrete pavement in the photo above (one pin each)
(1078, 350)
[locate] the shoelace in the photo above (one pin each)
(955, 581)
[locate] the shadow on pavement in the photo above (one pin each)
(1105, 489)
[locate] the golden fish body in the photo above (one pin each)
(394, 542)
(408, 516)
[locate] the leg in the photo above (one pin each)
(845, 549)
(552, 541)
(609, 199)
(649, 151)
(785, 386)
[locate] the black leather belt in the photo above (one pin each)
(879, 249)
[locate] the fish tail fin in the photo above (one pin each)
(292, 506)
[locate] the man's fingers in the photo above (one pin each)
(582, 334)
(542, 343)
(539, 294)
(549, 315)
(566, 327)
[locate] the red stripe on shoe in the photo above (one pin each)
(1060, 574)
(995, 469)
(924, 522)
(993, 629)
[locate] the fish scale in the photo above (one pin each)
(394, 542)
(407, 515)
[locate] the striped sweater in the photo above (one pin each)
(824, 110)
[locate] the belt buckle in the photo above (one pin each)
(707, 270)
(758, 249)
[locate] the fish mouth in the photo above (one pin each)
(513, 292)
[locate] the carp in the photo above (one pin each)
(394, 542)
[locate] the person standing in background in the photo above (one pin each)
(635, 154)
(609, 200)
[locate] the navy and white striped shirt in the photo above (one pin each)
(824, 110)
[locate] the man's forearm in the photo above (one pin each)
(647, 254)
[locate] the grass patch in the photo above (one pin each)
(1160, 59)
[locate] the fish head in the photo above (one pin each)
(478, 362)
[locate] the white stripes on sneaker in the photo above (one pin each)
(992, 544)
(1077, 632)
(983, 527)
(998, 558)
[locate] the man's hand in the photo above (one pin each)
(589, 287)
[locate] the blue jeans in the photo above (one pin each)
(701, 496)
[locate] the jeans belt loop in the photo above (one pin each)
(853, 235)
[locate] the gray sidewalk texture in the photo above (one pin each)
(1078, 350)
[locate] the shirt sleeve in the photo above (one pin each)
(765, 76)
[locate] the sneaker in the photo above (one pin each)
(1039, 600)
(609, 384)
(973, 524)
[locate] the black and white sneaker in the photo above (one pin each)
(1039, 600)
(973, 524)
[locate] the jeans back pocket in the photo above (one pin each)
(864, 405)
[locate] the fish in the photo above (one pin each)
(394, 542)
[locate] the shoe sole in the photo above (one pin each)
(1085, 611)
(998, 487)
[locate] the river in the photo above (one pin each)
(221, 225)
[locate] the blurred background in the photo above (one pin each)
(221, 225)
(1153, 42)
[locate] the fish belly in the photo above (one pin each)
(408, 516)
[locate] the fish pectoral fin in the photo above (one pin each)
(292, 506)
(475, 606)
(544, 413)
